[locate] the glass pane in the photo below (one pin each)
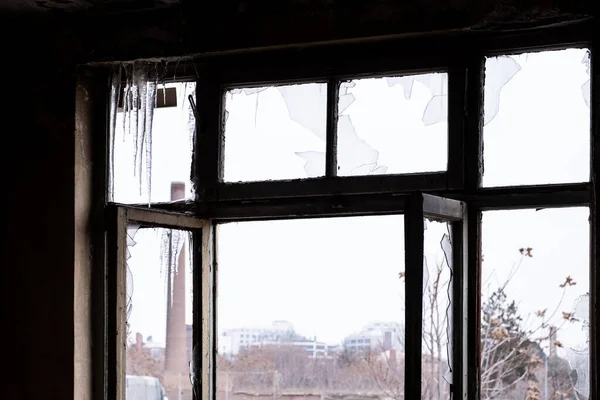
(151, 147)
(436, 361)
(159, 314)
(393, 125)
(537, 118)
(311, 308)
(535, 304)
(275, 133)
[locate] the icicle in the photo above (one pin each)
(190, 257)
(127, 104)
(164, 88)
(178, 240)
(172, 242)
(134, 118)
(142, 88)
(149, 117)
(164, 251)
(139, 102)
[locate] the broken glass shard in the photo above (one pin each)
(537, 123)
(585, 88)
(393, 125)
(275, 133)
(498, 72)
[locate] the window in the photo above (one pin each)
(548, 253)
(345, 222)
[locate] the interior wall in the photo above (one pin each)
(38, 168)
(38, 321)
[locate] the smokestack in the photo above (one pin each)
(176, 356)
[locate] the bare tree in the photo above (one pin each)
(258, 367)
(512, 354)
(436, 338)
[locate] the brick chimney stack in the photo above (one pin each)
(176, 356)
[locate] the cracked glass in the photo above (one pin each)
(537, 118)
(275, 133)
(393, 125)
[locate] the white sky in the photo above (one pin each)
(330, 277)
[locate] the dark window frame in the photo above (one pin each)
(462, 57)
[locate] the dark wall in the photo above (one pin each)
(39, 63)
(38, 126)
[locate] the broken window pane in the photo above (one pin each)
(537, 122)
(159, 313)
(436, 359)
(275, 133)
(151, 134)
(311, 308)
(535, 304)
(393, 125)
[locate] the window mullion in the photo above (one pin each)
(457, 83)
(333, 92)
(414, 250)
(460, 313)
(473, 176)
(207, 321)
(594, 236)
(207, 159)
(474, 123)
(198, 257)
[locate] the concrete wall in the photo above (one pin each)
(44, 275)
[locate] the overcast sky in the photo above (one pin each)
(329, 277)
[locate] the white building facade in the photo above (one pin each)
(379, 336)
(232, 341)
